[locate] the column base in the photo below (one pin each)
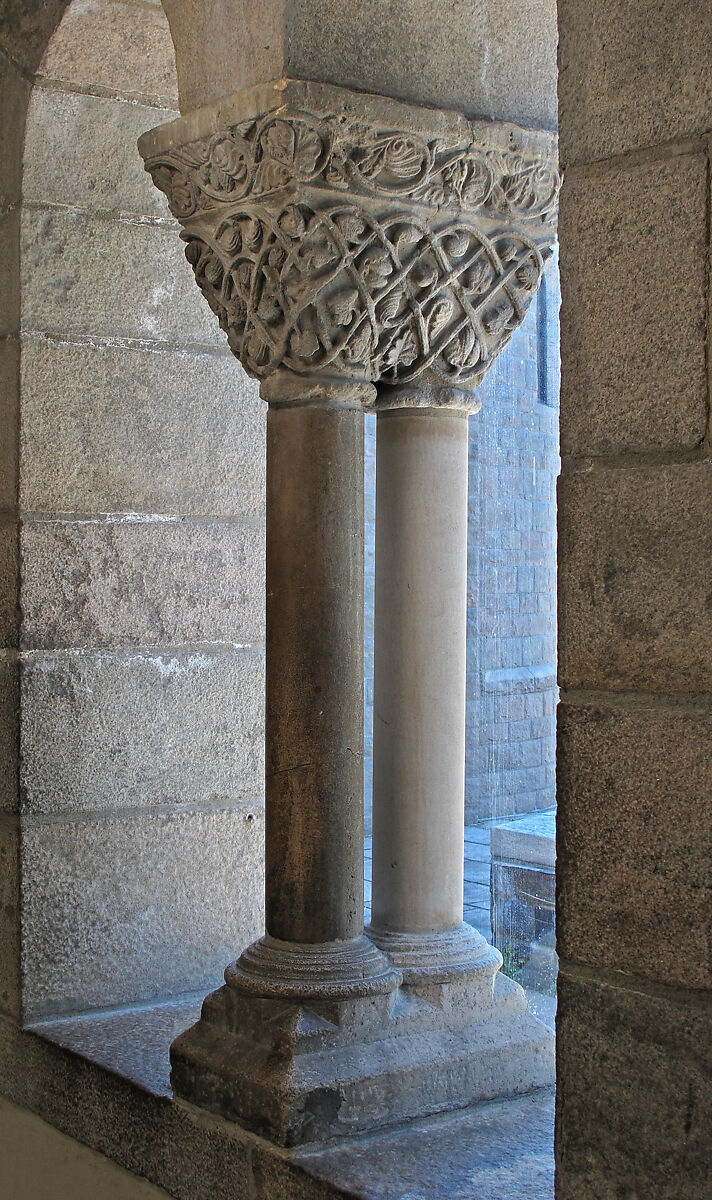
(298, 1071)
(438, 957)
(302, 971)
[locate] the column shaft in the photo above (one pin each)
(419, 684)
(314, 696)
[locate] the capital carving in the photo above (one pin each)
(358, 238)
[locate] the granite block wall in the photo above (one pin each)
(133, 826)
(634, 902)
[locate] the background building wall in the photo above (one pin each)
(511, 631)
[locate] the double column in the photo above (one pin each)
(356, 249)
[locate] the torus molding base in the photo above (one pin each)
(430, 958)
(353, 236)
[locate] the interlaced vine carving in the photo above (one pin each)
(328, 246)
(340, 291)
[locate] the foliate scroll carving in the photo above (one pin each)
(324, 245)
(257, 157)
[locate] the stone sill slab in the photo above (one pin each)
(529, 839)
(509, 680)
(103, 1079)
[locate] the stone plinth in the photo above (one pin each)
(298, 1073)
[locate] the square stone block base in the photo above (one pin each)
(296, 1073)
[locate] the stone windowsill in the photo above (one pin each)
(103, 1079)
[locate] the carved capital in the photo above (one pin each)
(352, 237)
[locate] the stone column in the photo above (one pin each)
(419, 687)
(314, 946)
(345, 241)
(314, 660)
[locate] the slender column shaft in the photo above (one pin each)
(419, 683)
(314, 650)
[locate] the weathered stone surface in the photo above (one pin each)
(634, 579)
(82, 150)
(123, 46)
(188, 894)
(197, 1158)
(84, 274)
(14, 96)
(167, 1143)
(9, 731)
(315, 1071)
(632, 75)
(10, 272)
(99, 584)
(435, 234)
(494, 63)
(634, 1096)
(9, 421)
(10, 974)
(9, 613)
(132, 1044)
(516, 83)
(41, 1162)
(634, 1086)
(502, 1150)
(622, 228)
(102, 731)
(635, 840)
(194, 425)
